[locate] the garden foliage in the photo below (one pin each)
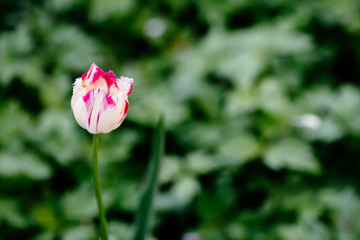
(262, 113)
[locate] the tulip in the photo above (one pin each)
(100, 100)
(100, 104)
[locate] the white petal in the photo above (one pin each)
(111, 118)
(125, 84)
(80, 112)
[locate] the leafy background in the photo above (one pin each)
(262, 110)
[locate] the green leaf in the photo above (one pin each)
(150, 185)
(101, 11)
(240, 149)
(14, 47)
(185, 190)
(304, 231)
(346, 108)
(80, 233)
(120, 230)
(345, 208)
(159, 100)
(60, 5)
(292, 154)
(170, 169)
(110, 151)
(80, 204)
(9, 212)
(60, 127)
(16, 121)
(271, 88)
(69, 45)
(44, 214)
(45, 236)
(27, 164)
(201, 163)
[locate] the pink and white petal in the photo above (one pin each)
(122, 103)
(108, 120)
(95, 101)
(78, 91)
(126, 108)
(125, 84)
(111, 118)
(92, 74)
(110, 79)
(80, 111)
(86, 109)
(104, 111)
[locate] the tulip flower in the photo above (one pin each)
(100, 104)
(100, 100)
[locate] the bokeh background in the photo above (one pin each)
(262, 108)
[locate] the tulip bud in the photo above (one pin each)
(100, 100)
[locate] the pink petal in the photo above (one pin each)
(110, 79)
(92, 74)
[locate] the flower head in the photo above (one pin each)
(100, 100)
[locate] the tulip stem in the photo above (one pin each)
(103, 227)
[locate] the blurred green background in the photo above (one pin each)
(262, 109)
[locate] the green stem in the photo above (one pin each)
(103, 227)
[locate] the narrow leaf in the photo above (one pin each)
(150, 184)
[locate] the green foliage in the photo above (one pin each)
(261, 107)
(292, 154)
